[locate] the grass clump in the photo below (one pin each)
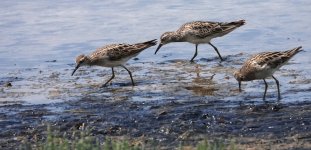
(83, 140)
(79, 140)
(215, 145)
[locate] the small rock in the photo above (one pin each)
(136, 59)
(276, 107)
(54, 75)
(205, 116)
(162, 113)
(8, 84)
(51, 60)
(185, 135)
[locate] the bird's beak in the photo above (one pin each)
(160, 45)
(77, 66)
(240, 90)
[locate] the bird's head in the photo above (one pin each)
(166, 38)
(81, 60)
(239, 77)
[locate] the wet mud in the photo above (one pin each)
(174, 102)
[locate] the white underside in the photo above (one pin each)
(198, 41)
(264, 71)
(106, 62)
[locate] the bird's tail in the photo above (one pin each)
(144, 45)
(151, 42)
(237, 23)
(287, 55)
(227, 27)
(294, 51)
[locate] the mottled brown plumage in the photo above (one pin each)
(199, 32)
(113, 55)
(263, 65)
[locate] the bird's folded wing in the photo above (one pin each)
(201, 29)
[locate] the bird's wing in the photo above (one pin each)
(120, 51)
(113, 52)
(270, 59)
(101, 52)
(123, 51)
(126, 50)
(200, 29)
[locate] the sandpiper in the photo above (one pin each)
(263, 65)
(112, 56)
(199, 32)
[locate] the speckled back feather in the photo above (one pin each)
(203, 29)
(274, 59)
(119, 51)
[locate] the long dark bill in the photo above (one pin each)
(77, 66)
(160, 45)
(240, 86)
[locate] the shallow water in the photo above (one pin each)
(40, 40)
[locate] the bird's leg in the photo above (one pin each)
(240, 89)
(215, 48)
(195, 54)
(266, 87)
(110, 78)
(278, 85)
(129, 73)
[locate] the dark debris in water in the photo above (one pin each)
(8, 84)
(51, 60)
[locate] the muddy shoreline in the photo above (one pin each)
(174, 102)
(167, 124)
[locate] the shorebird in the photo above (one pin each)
(263, 65)
(112, 56)
(199, 32)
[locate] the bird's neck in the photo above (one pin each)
(89, 61)
(177, 37)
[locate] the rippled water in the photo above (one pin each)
(40, 39)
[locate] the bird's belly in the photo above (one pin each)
(114, 63)
(111, 64)
(264, 74)
(198, 40)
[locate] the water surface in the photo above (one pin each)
(42, 38)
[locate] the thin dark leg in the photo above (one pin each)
(110, 78)
(129, 73)
(266, 87)
(240, 89)
(216, 50)
(277, 83)
(195, 54)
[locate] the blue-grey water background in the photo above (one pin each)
(35, 33)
